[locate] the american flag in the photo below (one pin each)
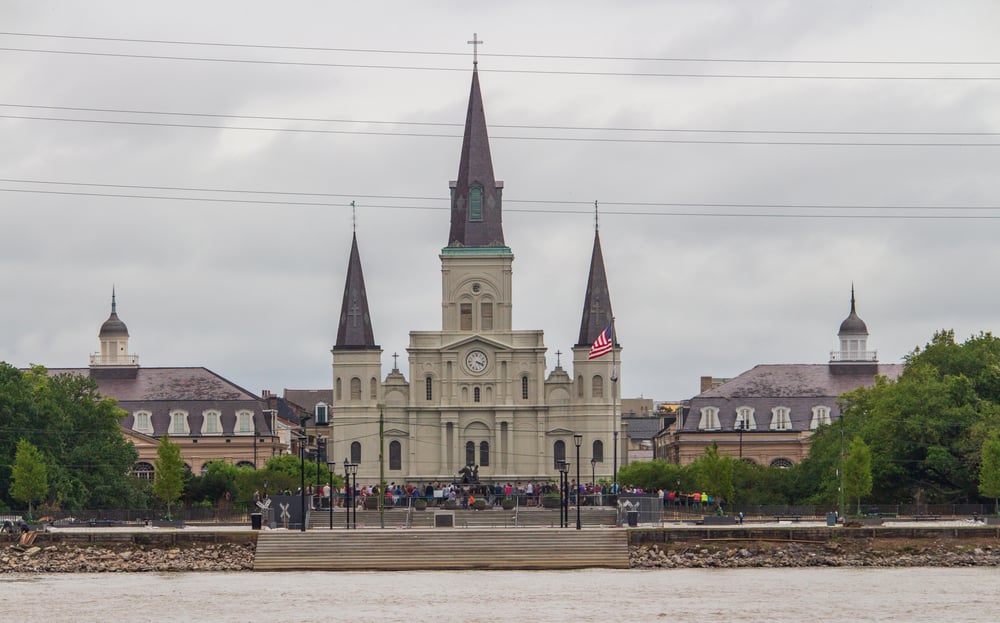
(602, 345)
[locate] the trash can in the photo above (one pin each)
(255, 521)
(633, 518)
(831, 519)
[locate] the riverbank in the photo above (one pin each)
(69, 557)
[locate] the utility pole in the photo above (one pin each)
(841, 469)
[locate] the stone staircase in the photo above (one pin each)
(441, 548)
(491, 518)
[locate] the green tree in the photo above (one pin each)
(715, 473)
(168, 479)
(857, 471)
(29, 476)
(989, 469)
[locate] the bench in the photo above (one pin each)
(787, 517)
(926, 517)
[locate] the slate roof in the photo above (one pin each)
(597, 312)
(642, 428)
(355, 329)
(800, 387)
(309, 398)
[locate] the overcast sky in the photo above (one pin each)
(709, 274)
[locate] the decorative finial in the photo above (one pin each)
(475, 48)
(596, 217)
(113, 305)
(354, 217)
(852, 298)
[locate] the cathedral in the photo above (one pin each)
(477, 393)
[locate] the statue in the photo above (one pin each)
(469, 475)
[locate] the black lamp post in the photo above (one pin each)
(593, 481)
(352, 469)
(302, 469)
(348, 493)
(740, 425)
(578, 440)
(563, 494)
(332, 466)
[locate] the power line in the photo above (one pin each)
(543, 72)
(498, 125)
(534, 211)
(680, 59)
(576, 139)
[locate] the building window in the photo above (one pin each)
(486, 312)
(355, 388)
(709, 419)
(178, 423)
(782, 463)
(475, 394)
(484, 453)
(475, 204)
(470, 453)
(339, 392)
(597, 451)
(143, 471)
(558, 453)
(244, 422)
(597, 387)
(373, 389)
(212, 425)
(356, 452)
(395, 455)
(821, 415)
(745, 419)
(579, 387)
(465, 316)
(322, 413)
(524, 388)
(780, 419)
(143, 422)
(429, 388)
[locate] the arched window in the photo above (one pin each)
(322, 413)
(558, 453)
(245, 464)
(782, 463)
(781, 419)
(821, 415)
(143, 471)
(355, 388)
(709, 419)
(597, 387)
(484, 453)
(745, 419)
(178, 423)
(470, 453)
(211, 424)
(244, 422)
(429, 388)
(143, 422)
(579, 387)
(524, 387)
(395, 455)
(597, 453)
(339, 390)
(475, 203)
(373, 389)
(486, 315)
(356, 452)
(475, 394)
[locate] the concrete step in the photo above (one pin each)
(374, 549)
(490, 518)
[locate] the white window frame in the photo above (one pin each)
(321, 406)
(746, 415)
(142, 422)
(244, 423)
(781, 418)
(215, 417)
(709, 419)
(182, 417)
(821, 415)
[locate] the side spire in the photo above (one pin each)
(355, 329)
(476, 214)
(597, 313)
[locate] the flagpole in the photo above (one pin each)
(614, 407)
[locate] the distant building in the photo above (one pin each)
(208, 416)
(768, 414)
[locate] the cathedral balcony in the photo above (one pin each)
(97, 359)
(853, 355)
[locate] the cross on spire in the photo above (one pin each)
(354, 216)
(558, 355)
(395, 365)
(475, 48)
(596, 217)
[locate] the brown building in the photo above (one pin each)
(767, 415)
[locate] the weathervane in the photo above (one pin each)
(354, 217)
(475, 48)
(596, 217)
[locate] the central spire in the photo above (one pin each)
(476, 214)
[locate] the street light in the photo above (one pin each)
(352, 470)
(578, 440)
(593, 481)
(302, 468)
(348, 493)
(563, 494)
(332, 466)
(740, 425)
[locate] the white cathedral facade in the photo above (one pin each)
(478, 392)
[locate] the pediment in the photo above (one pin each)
(395, 432)
(560, 432)
(477, 339)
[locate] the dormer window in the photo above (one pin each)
(475, 204)
(322, 413)
(709, 419)
(781, 419)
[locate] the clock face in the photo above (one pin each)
(476, 361)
